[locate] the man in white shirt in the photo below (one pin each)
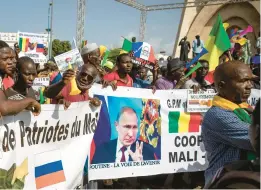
(126, 147)
(197, 46)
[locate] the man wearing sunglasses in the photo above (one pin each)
(84, 80)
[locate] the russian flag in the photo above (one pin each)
(55, 77)
(40, 48)
(144, 51)
(49, 170)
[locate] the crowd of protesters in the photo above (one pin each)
(226, 134)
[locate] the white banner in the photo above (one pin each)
(48, 151)
(158, 134)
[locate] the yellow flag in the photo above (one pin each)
(102, 50)
(74, 88)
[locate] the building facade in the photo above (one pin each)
(199, 21)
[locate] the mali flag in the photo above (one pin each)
(218, 42)
(182, 122)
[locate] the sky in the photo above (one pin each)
(105, 22)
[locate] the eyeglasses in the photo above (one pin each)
(89, 77)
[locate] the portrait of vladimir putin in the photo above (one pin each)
(126, 147)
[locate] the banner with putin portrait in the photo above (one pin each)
(140, 133)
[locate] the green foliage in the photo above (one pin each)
(113, 54)
(60, 47)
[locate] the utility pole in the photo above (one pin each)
(51, 31)
(48, 30)
(81, 6)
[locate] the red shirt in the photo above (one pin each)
(115, 77)
(72, 98)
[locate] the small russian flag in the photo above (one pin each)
(48, 169)
(40, 48)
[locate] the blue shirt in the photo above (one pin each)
(196, 48)
(224, 136)
(138, 83)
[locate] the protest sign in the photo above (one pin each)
(47, 151)
(200, 101)
(170, 136)
(72, 58)
(37, 57)
(40, 83)
(143, 54)
(32, 45)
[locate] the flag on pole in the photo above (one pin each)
(218, 42)
(144, 51)
(193, 69)
(127, 45)
(74, 89)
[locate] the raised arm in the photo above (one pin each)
(54, 90)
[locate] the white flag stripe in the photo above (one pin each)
(47, 157)
(145, 51)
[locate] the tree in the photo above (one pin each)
(59, 47)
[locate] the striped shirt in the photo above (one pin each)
(224, 136)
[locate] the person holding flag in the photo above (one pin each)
(60, 91)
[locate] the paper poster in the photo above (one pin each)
(32, 42)
(33, 45)
(143, 54)
(72, 58)
(200, 101)
(39, 83)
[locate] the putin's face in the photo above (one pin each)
(127, 127)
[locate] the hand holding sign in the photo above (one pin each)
(137, 156)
